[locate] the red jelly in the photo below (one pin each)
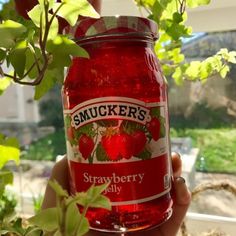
(116, 118)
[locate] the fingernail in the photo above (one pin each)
(183, 196)
(176, 154)
(181, 179)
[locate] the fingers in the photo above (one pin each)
(60, 174)
(176, 165)
(182, 195)
(182, 201)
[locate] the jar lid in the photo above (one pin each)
(108, 25)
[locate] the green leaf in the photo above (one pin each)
(162, 10)
(84, 227)
(31, 54)
(33, 231)
(232, 57)
(50, 79)
(81, 198)
(4, 84)
(224, 71)
(9, 150)
(10, 31)
(73, 218)
(170, 9)
(178, 76)
(58, 189)
(58, 233)
(93, 197)
(30, 35)
(197, 3)
(46, 219)
(17, 57)
(46, 84)
(193, 69)
(101, 202)
(37, 14)
(54, 28)
(2, 55)
(4, 232)
(18, 226)
(6, 177)
(71, 9)
(50, 3)
(157, 11)
(62, 49)
(205, 69)
(176, 55)
(177, 17)
(147, 3)
(176, 30)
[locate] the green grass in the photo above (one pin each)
(46, 148)
(217, 146)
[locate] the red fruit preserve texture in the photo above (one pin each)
(120, 68)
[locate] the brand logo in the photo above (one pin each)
(102, 109)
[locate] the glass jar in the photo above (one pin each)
(116, 121)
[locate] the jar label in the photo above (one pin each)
(119, 140)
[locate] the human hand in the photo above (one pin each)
(182, 198)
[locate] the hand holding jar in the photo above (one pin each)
(170, 228)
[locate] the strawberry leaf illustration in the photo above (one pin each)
(107, 123)
(162, 128)
(86, 129)
(145, 155)
(130, 127)
(101, 154)
(155, 112)
(67, 121)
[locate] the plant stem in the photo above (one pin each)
(81, 219)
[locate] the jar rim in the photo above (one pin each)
(115, 26)
(131, 36)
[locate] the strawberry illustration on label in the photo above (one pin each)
(109, 144)
(125, 142)
(129, 138)
(139, 141)
(154, 127)
(86, 146)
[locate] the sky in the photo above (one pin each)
(1, 2)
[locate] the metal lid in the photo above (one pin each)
(108, 25)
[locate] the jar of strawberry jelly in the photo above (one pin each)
(116, 119)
